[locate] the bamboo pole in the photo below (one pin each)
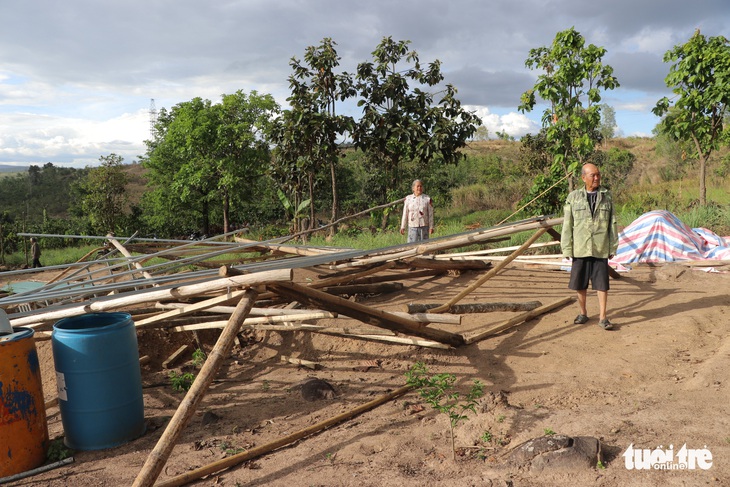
(364, 313)
(491, 273)
(239, 458)
(191, 308)
(455, 242)
(316, 315)
(516, 320)
(128, 255)
(159, 455)
(151, 295)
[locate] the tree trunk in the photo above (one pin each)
(206, 218)
(703, 175)
(226, 209)
(335, 203)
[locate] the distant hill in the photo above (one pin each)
(7, 168)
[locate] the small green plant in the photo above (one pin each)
(57, 451)
(265, 385)
(486, 437)
(600, 465)
(229, 449)
(501, 418)
(438, 393)
(198, 358)
(549, 431)
(181, 382)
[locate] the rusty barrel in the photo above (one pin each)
(23, 427)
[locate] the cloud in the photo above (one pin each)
(514, 124)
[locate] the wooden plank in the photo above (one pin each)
(176, 355)
(475, 307)
(378, 288)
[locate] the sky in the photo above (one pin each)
(79, 78)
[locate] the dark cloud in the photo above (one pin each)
(99, 60)
(479, 87)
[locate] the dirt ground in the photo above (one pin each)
(658, 379)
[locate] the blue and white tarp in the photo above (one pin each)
(659, 236)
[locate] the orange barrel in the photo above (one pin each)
(23, 427)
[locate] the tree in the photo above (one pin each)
(204, 157)
(105, 193)
(307, 133)
(608, 122)
(400, 123)
(700, 80)
(571, 83)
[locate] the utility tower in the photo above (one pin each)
(153, 117)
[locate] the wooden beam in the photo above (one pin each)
(491, 273)
(363, 313)
(448, 264)
(378, 288)
(475, 307)
(239, 458)
(159, 455)
(517, 320)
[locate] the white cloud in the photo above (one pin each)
(514, 124)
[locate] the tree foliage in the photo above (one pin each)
(700, 81)
(402, 119)
(573, 76)
(203, 157)
(307, 134)
(104, 190)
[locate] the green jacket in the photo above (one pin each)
(586, 235)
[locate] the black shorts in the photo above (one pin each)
(584, 269)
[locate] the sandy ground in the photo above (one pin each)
(658, 379)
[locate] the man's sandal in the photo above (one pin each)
(580, 320)
(605, 324)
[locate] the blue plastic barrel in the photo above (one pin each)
(99, 380)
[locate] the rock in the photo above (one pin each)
(557, 452)
(314, 389)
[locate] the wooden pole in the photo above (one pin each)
(128, 255)
(159, 455)
(146, 296)
(239, 458)
(474, 307)
(366, 314)
(516, 320)
(490, 274)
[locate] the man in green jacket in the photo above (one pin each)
(590, 239)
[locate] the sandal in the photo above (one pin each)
(605, 324)
(580, 320)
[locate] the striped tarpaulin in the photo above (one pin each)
(659, 236)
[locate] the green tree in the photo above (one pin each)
(307, 133)
(608, 122)
(401, 122)
(104, 193)
(700, 81)
(203, 157)
(571, 83)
